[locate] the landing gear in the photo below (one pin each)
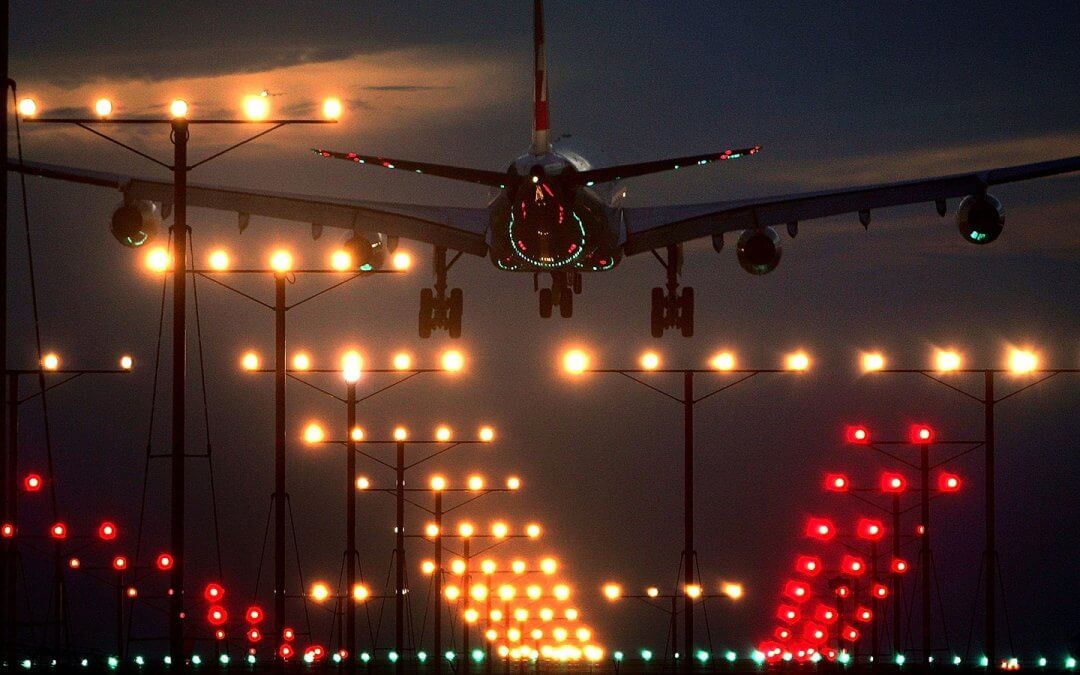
(436, 309)
(670, 307)
(564, 286)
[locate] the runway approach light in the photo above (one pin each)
(218, 260)
(341, 260)
(400, 434)
(723, 361)
(945, 361)
(158, 259)
(798, 361)
(453, 361)
(256, 108)
(27, 107)
(443, 434)
(313, 433)
(281, 261)
(1023, 361)
(103, 107)
(332, 109)
(250, 361)
(178, 108)
(612, 591)
(401, 261)
(402, 361)
(732, 590)
(438, 483)
(575, 361)
(650, 360)
(320, 591)
(872, 362)
(487, 434)
(351, 366)
(301, 361)
(50, 361)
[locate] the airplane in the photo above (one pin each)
(555, 215)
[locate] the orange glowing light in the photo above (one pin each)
(314, 433)
(319, 591)
(443, 434)
(281, 261)
(249, 361)
(453, 361)
(401, 261)
(873, 362)
(487, 434)
(799, 361)
(650, 361)
(575, 361)
(402, 361)
(363, 482)
(723, 361)
(218, 260)
(947, 360)
(438, 483)
(476, 482)
(1023, 361)
(612, 591)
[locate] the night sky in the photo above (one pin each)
(836, 93)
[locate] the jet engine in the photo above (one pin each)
(981, 218)
(136, 223)
(367, 254)
(759, 250)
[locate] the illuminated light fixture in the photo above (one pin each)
(50, 361)
(948, 482)
(920, 434)
(571, 614)
(873, 362)
(452, 593)
(443, 434)
(286, 652)
(254, 635)
(513, 483)
(850, 633)
(281, 261)
(74, 563)
(431, 530)
(893, 483)
(693, 591)
(438, 483)
(132, 592)
(898, 566)
(254, 614)
(356, 434)
(546, 614)
(842, 591)
(363, 483)
(126, 362)
(301, 361)
(178, 108)
(517, 566)
(32, 482)
(319, 591)
(947, 360)
(401, 261)
(427, 567)
(534, 592)
(849, 564)
(158, 259)
(868, 528)
(471, 615)
(652, 591)
(723, 361)
(476, 482)
(103, 107)
(341, 260)
(575, 361)
(820, 528)
(782, 633)
(787, 614)
(561, 592)
(532, 530)
(1023, 361)
(879, 591)
(58, 531)
(400, 434)
(402, 361)
(218, 260)
(808, 565)
(360, 592)
(332, 108)
(487, 434)
(213, 592)
(856, 434)
(466, 529)
(119, 563)
(453, 361)
(487, 566)
(612, 591)
(314, 433)
(107, 531)
(798, 361)
(164, 561)
(521, 615)
(351, 366)
(499, 530)
(825, 614)
(548, 566)
(837, 482)
(479, 592)
(249, 361)
(256, 108)
(650, 361)
(216, 616)
(797, 591)
(7, 530)
(27, 107)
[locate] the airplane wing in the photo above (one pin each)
(481, 176)
(656, 227)
(456, 228)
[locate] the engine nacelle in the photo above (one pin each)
(759, 250)
(367, 254)
(136, 223)
(980, 218)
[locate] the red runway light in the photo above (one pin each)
(820, 528)
(850, 633)
(948, 482)
(107, 531)
(879, 591)
(857, 434)
(164, 561)
(893, 483)
(814, 633)
(787, 614)
(213, 592)
(868, 528)
(864, 614)
(254, 635)
(808, 565)
(898, 566)
(921, 434)
(285, 651)
(849, 564)
(58, 531)
(254, 614)
(797, 591)
(842, 591)
(837, 482)
(7, 530)
(119, 563)
(824, 614)
(288, 634)
(32, 482)
(132, 592)
(216, 615)
(782, 633)
(219, 634)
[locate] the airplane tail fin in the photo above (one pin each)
(541, 140)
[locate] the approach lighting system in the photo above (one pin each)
(837, 482)
(948, 482)
(921, 434)
(1023, 361)
(575, 361)
(808, 565)
(178, 108)
(256, 108)
(873, 362)
(332, 108)
(798, 361)
(820, 528)
(947, 360)
(893, 483)
(723, 361)
(27, 107)
(870, 529)
(857, 434)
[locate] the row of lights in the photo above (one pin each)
(314, 433)
(51, 361)
(489, 567)
(352, 363)
(507, 593)
(158, 260)
(730, 589)
(256, 108)
(498, 530)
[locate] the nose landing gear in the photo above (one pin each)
(564, 286)
(670, 307)
(437, 310)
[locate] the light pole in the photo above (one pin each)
(576, 362)
(179, 127)
(1020, 363)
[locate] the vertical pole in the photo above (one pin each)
(990, 556)
(898, 580)
(9, 566)
(688, 516)
(120, 615)
(489, 667)
(179, 389)
(11, 511)
(399, 560)
(874, 620)
(438, 582)
(350, 525)
(280, 438)
(466, 664)
(674, 631)
(924, 552)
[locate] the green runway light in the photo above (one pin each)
(757, 657)
(646, 655)
(450, 656)
(393, 656)
(251, 659)
(702, 655)
(1042, 661)
(140, 661)
(816, 657)
(365, 657)
(900, 659)
(223, 659)
(309, 657)
(167, 660)
(84, 663)
(421, 656)
(844, 658)
(26, 664)
(956, 660)
(1070, 663)
(618, 656)
(983, 661)
(730, 656)
(113, 662)
(478, 655)
(196, 660)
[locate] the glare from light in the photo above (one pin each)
(351, 366)
(612, 591)
(507, 592)
(466, 529)
(332, 108)
(561, 592)
(178, 108)
(478, 592)
(453, 361)
(443, 434)
(27, 107)
(873, 362)
(732, 590)
(158, 259)
(499, 530)
(341, 261)
(693, 591)
(488, 566)
(457, 566)
(452, 593)
(438, 483)
(427, 567)
(487, 434)
(360, 592)
(723, 361)
(518, 566)
(947, 360)
(476, 482)
(547, 614)
(549, 566)
(363, 482)
(513, 483)
(401, 261)
(301, 361)
(532, 531)
(50, 361)
(575, 361)
(471, 615)
(103, 107)
(126, 362)
(256, 108)
(431, 530)
(281, 261)
(1023, 361)
(320, 591)
(314, 433)
(798, 361)
(219, 260)
(402, 361)
(401, 434)
(650, 360)
(652, 591)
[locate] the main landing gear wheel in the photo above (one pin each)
(546, 303)
(670, 307)
(564, 286)
(457, 303)
(686, 312)
(427, 311)
(437, 311)
(566, 302)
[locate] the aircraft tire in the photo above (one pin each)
(545, 303)
(656, 317)
(566, 302)
(686, 312)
